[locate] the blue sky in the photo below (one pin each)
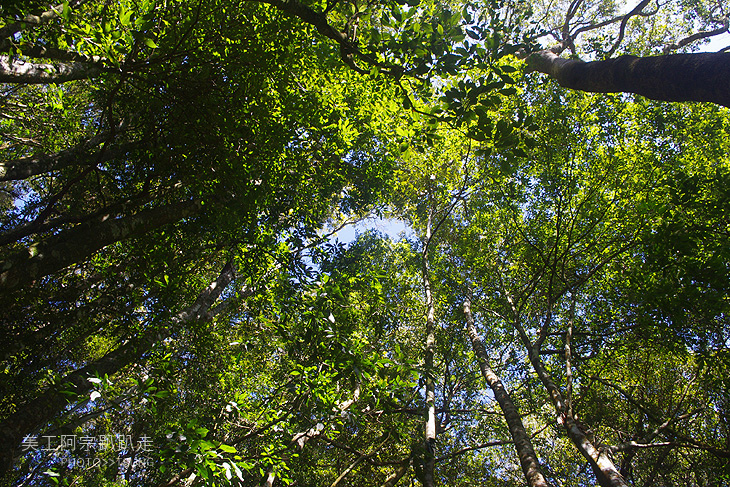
(391, 227)
(718, 42)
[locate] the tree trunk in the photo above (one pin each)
(677, 77)
(523, 445)
(79, 155)
(429, 454)
(603, 468)
(20, 72)
(400, 471)
(79, 243)
(31, 416)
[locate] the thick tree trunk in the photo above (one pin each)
(20, 72)
(79, 243)
(30, 417)
(528, 458)
(676, 77)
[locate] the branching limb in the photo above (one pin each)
(34, 20)
(629, 445)
(26, 167)
(399, 472)
(349, 51)
(698, 36)
(622, 29)
(359, 460)
(665, 425)
(17, 71)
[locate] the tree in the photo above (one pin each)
(539, 290)
(172, 174)
(667, 77)
(109, 220)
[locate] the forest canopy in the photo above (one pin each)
(175, 307)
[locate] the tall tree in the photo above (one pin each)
(146, 146)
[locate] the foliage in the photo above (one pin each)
(227, 138)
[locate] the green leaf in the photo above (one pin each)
(124, 18)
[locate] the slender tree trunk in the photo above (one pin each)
(21, 72)
(269, 479)
(79, 155)
(79, 243)
(429, 454)
(603, 467)
(300, 439)
(676, 77)
(30, 417)
(38, 226)
(395, 477)
(528, 458)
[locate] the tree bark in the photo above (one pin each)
(528, 458)
(395, 477)
(31, 416)
(79, 243)
(603, 467)
(20, 72)
(429, 454)
(677, 77)
(26, 167)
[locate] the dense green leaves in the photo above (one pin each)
(171, 294)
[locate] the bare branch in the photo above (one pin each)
(665, 425)
(481, 446)
(632, 444)
(622, 29)
(698, 36)
(589, 27)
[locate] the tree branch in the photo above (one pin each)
(678, 77)
(16, 71)
(699, 35)
(31, 416)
